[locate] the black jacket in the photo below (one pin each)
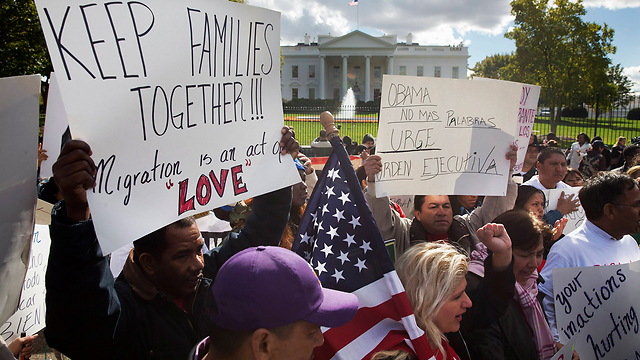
(91, 316)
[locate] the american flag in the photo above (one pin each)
(353, 2)
(341, 241)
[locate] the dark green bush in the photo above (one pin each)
(574, 112)
(633, 114)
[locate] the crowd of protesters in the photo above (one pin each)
(470, 265)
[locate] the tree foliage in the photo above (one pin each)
(493, 67)
(23, 50)
(558, 50)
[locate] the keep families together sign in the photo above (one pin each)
(179, 100)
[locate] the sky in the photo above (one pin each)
(480, 25)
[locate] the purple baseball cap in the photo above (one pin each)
(268, 287)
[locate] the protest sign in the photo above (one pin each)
(43, 212)
(448, 136)
(405, 202)
(179, 100)
(19, 100)
(575, 218)
(596, 306)
(55, 127)
(30, 316)
(526, 117)
(566, 353)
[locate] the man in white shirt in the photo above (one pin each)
(611, 202)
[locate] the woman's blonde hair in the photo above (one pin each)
(430, 273)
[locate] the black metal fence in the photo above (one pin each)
(567, 121)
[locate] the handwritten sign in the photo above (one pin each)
(598, 306)
(566, 353)
(405, 202)
(43, 212)
(576, 218)
(55, 127)
(179, 100)
(447, 136)
(19, 99)
(30, 316)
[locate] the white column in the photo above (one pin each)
(344, 75)
(367, 77)
(390, 65)
(322, 91)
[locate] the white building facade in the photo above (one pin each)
(327, 68)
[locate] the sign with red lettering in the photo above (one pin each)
(179, 100)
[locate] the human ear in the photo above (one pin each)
(262, 344)
(148, 263)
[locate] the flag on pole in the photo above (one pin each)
(341, 241)
(353, 2)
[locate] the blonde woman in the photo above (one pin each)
(433, 275)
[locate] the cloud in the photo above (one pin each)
(612, 4)
(432, 22)
(633, 72)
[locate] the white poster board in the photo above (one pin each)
(597, 306)
(30, 316)
(179, 100)
(447, 136)
(576, 218)
(19, 102)
(55, 126)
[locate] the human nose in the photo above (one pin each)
(196, 263)
(318, 338)
(466, 301)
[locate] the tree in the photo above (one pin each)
(558, 50)
(22, 47)
(493, 66)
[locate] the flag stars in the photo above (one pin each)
(350, 240)
(344, 197)
(360, 265)
(307, 255)
(305, 238)
(355, 221)
(327, 250)
(321, 268)
(343, 257)
(333, 174)
(325, 208)
(329, 191)
(365, 246)
(332, 231)
(338, 215)
(319, 225)
(337, 275)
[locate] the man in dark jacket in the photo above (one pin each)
(154, 309)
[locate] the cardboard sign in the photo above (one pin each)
(448, 136)
(30, 316)
(599, 307)
(179, 100)
(55, 127)
(19, 101)
(575, 218)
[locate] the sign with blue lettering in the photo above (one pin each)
(598, 307)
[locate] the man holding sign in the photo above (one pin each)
(611, 202)
(154, 309)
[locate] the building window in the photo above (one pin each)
(356, 71)
(420, 71)
(336, 94)
(437, 71)
(454, 72)
(312, 94)
(376, 72)
(376, 94)
(336, 72)
(294, 93)
(294, 71)
(312, 71)
(403, 70)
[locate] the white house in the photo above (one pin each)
(327, 68)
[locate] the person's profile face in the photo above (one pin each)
(627, 214)
(449, 316)
(535, 205)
